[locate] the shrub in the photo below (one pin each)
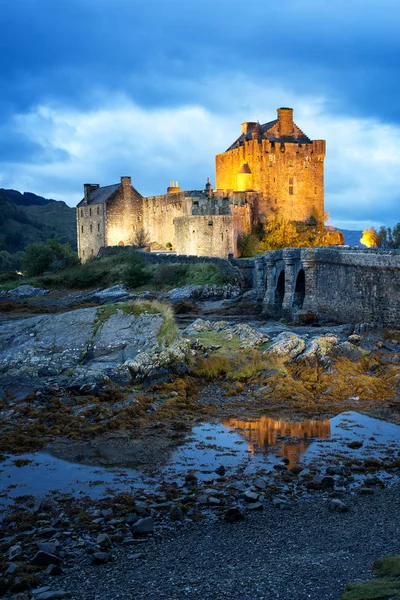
(248, 244)
(136, 272)
(50, 256)
(170, 274)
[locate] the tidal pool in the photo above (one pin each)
(240, 446)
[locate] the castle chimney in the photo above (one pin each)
(126, 182)
(209, 188)
(285, 118)
(248, 126)
(88, 188)
(173, 188)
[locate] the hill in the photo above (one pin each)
(352, 237)
(27, 218)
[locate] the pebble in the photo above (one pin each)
(145, 525)
(338, 506)
(100, 558)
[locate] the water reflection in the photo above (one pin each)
(293, 438)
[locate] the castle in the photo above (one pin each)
(271, 171)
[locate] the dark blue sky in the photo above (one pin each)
(95, 89)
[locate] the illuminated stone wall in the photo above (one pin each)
(123, 215)
(289, 174)
(159, 213)
(208, 235)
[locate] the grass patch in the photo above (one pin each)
(387, 566)
(376, 589)
(130, 268)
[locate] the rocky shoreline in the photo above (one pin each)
(117, 384)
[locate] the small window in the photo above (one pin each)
(81, 212)
(82, 229)
(291, 190)
(98, 210)
(290, 180)
(98, 226)
(91, 252)
(91, 228)
(83, 252)
(90, 211)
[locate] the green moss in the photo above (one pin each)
(387, 566)
(376, 589)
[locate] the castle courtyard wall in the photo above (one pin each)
(208, 235)
(159, 213)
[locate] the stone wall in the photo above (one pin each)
(90, 226)
(336, 284)
(123, 215)
(208, 235)
(159, 213)
(289, 175)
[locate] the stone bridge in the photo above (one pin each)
(339, 284)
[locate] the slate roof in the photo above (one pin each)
(101, 195)
(264, 133)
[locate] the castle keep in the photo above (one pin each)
(271, 171)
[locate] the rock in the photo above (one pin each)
(255, 506)
(365, 491)
(250, 496)
(160, 358)
(337, 505)
(53, 595)
(281, 503)
(233, 515)
(48, 547)
(214, 501)
(23, 291)
(103, 540)
(43, 559)
(286, 346)
(54, 570)
(355, 445)
(260, 484)
(116, 293)
(248, 336)
(78, 347)
(349, 350)
(320, 348)
(145, 525)
(11, 569)
(15, 552)
(220, 471)
(175, 513)
(135, 556)
(321, 482)
(100, 558)
(354, 338)
(374, 480)
(203, 292)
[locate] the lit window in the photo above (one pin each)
(291, 190)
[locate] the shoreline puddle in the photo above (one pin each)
(242, 447)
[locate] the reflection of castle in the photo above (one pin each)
(270, 170)
(263, 433)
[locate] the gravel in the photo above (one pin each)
(307, 552)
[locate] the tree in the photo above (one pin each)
(370, 238)
(141, 238)
(50, 256)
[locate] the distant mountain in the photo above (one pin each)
(352, 237)
(27, 218)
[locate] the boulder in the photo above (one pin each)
(23, 291)
(202, 292)
(160, 358)
(78, 347)
(286, 346)
(320, 348)
(145, 525)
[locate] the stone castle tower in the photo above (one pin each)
(278, 160)
(271, 171)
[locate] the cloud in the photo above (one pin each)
(118, 137)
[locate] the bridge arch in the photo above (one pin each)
(279, 291)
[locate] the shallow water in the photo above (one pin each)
(240, 446)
